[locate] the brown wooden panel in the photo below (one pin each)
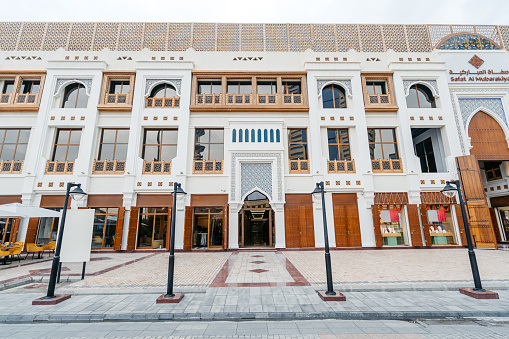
(54, 201)
(154, 200)
(340, 225)
(425, 224)
(310, 227)
(298, 199)
(14, 230)
(292, 231)
(461, 226)
(133, 227)
(494, 222)
(209, 200)
(375, 210)
(344, 198)
(168, 228)
(33, 225)
(188, 228)
(9, 199)
(353, 225)
(226, 227)
(478, 212)
(104, 200)
(487, 138)
(414, 225)
(500, 201)
(119, 229)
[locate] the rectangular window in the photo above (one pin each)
(376, 87)
(119, 87)
(492, 169)
(29, 86)
(67, 145)
(266, 86)
(105, 224)
(209, 144)
(208, 227)
(239, 87)
(297, 144)
(291, 87)
(113, 144)
(424, 151)
(152, 227)
(8, 86)
(159, 145)
(339, 144)
(382, 143)
(209, 87)
(47, 229)
(14, 144)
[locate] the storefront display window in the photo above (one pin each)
(152, 227)
(440, 224)
(208, 227)
(48, 228)
(5, 229)
(391, 225)
(105, 223)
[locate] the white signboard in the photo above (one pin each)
(77, 239)
(476, 67)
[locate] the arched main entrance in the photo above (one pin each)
(487, 138)
(256, 222)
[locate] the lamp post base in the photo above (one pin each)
(52, 301)
(327, 297)
(162, 299)
(478, 294)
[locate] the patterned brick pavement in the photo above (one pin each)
(255, 267)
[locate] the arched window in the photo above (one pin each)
(253, 135)
(278, 136)
(247, 135)
(75, 96)
(259, 135)
(271, 135)
(163, 91)
(333, 96)
(420, 96)
(265, 135)
(240, 135)
(234, 135)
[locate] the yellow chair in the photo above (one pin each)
(16, 251)
(4, 254)
(49, 247)
(33, 248)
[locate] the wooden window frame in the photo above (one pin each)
(493, 170)
(223, 101)
(340, 89)
(339, 165)
(208, 214)
(80, 87)
(12, 99)
(156, 166)
(109, 76)
(385, 165)
(414, 88)
(54, 223)
(104, 225)
(62, 167)
(110, 166)
(163, 102)
(12, 166)
(210, 166)
(390, 106)
(298, 166)
(154, 213)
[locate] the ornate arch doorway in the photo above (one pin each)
(487, 138)
(256, 222)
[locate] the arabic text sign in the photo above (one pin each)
(77, 239)
(482, 75)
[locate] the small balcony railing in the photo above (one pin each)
(5, 98)
(26, 99)
(267, 99)
(157, 167)
(11, 166)
(379, 99)
(109, 167)
(117, 98)
(162, 103)
(208, 166)
(59, 167)
(239, 99)
(341, 166)
(208, 99)
(292, 99)
(387, 166)
(299, 166)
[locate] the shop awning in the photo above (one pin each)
(18, 210)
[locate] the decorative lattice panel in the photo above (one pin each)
(9, 32)
(300, 37)
(418, 38)
(437, 32)
(371, 38)
(324, 38)
(228, 37)
(252, 38)
(204, 37)
(490, 32)
(131, 36)
(276, 38)
(155, 36)
(56, 36)
(348, 37)
(106, 36)
(394, 36)
(462, 28)
(31, 36)
(504, 32)
(179, 37)
(82, 34)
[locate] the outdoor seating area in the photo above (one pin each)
(10, 251)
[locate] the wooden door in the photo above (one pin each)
(168, 229)
(461, 226)
(225, 227)
(425, 225)
(292, 230)
(340, 225)
(346, 220)
(487, 138)
(375, 210)
(353, 225)
(119, 229)
(133, 228)
(14, 230)
(299, 225)
(309, 226)
(33, 226)
(478, 212)
(414, 225)
(188, 228)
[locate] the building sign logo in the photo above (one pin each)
(476, 61)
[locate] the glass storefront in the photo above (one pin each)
(152, 227)
(105, 223)
(5, 229)
(208, 227)
(392, 225)
(441, 226)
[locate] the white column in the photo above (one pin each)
(279, 224)
(365, 200)
(233, 227)
(127, 203)
(318, 221)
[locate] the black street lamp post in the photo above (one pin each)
(77, 194)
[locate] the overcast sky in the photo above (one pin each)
(269, 11)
